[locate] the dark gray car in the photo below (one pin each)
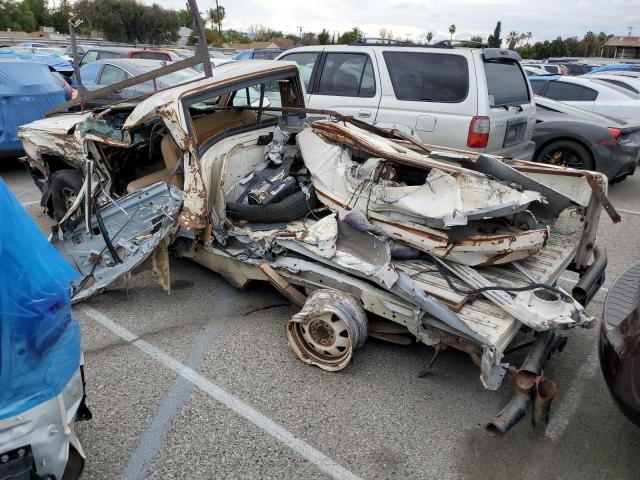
(102, 73)
(571, 137)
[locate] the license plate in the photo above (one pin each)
(516, 129)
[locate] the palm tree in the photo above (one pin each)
(512, 38)
(588, 40)
(429, 37)
(452, 30)
(521, 38)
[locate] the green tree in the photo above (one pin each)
(429, 37)
(234, 36)
(350, 36)
(476, 38)
(452, 31)
(186, 20)
(216, 15)
(494, 40)
(59, 17)
(27, 20)
(512, 39)
(324, 37)
(39, 10)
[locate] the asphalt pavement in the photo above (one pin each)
(202, 384)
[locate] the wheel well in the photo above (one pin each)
(565, 139)
(56, 162)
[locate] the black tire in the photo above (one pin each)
(65, 185)
(293, 207)
(567, 154)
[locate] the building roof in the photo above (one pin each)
(623, 42)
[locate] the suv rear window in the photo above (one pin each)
(428, 77)
(506, 83)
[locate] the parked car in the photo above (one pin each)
(237, 188)
(534, 71)
(258, 54)
(570, 137)
(106, 53)
(32, 45)
(553, 68)
(101, 73)
(627, 82)
(81, 48)
(617, 67)
(590, 94)
(27, 91)
(42, 393)
(619, 355)
(468, 98)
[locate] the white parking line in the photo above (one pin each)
(28, 204)
(229, 400)
(562, 416)
(628, 211)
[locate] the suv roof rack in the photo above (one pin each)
(372, 41)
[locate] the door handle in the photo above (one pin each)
(364, 113)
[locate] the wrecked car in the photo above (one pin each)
(370, 232)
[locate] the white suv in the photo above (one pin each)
(469, 98)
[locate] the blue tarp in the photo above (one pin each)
(39, 339)
(619, 67)
(54, 60)
(27, 90)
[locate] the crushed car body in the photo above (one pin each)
(445, 247)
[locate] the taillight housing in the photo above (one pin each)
(615, 132)
(479, 132)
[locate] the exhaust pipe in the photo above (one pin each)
(526, 380)
(545, 391)
(592, 279)
(517, 407)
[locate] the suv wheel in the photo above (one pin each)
(566, 153)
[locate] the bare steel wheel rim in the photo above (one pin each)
(330, 326)
(327, 335)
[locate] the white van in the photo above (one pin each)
(468, 98)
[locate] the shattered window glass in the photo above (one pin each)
(347, 75)
(428, 77)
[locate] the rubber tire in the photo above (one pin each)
(581, 152)
(293, 207)
(63, 179)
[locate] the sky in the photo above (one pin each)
(546, 19)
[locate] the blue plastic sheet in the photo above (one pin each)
(39, 339)
(27, 90)
(54, 60)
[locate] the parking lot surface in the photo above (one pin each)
(202, 384)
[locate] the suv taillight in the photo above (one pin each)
(478, 132)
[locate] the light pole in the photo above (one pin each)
(300, 28)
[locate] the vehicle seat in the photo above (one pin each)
(205, 127)
(211, 125)
(171, 153)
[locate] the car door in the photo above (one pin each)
(429, 95)
(109, 75)
(572, 94)
(307, 62)
(90, 56)
(346, 83)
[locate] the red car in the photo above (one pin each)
(107, 53)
